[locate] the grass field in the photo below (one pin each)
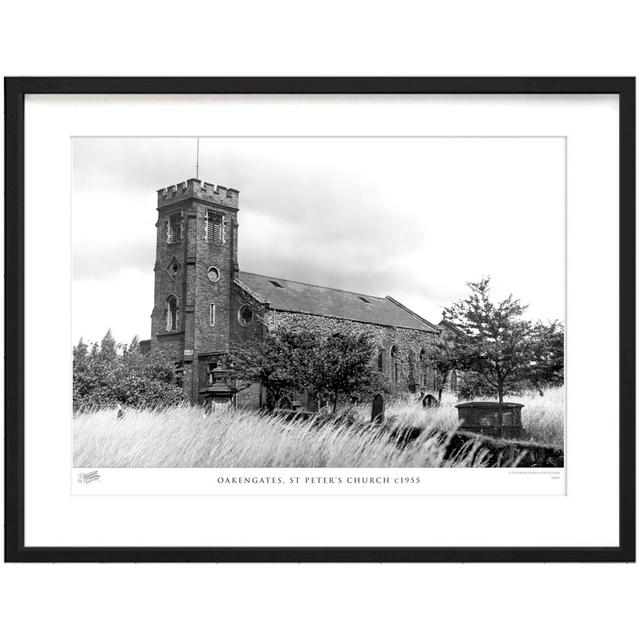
(185, 436)
(542, 416)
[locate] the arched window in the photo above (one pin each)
(381, 360)
(171, 313)
(395, 364)
(422, 367)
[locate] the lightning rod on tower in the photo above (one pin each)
(197, 157)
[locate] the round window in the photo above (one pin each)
(213, 273)
(245, 315)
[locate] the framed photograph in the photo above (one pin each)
(320, 319)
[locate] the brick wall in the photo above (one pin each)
(191, 285)
(166, 284)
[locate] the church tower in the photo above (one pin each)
(196, 264)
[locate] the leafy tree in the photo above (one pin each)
(134, 345)
(147, 380)
(281, 363)
(82, 378)
(328, 367)
(81, 350)
(499, 346)
(108, 373)
(344, 367)
(443, 359)
(108, 347)
(547, 367)
(473, 386)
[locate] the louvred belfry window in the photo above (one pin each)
(174, 228)
(214, 228)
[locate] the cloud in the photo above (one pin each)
(413, 218)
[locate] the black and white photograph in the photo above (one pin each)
(318, 302)
(319, 320)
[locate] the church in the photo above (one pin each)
(205, 306)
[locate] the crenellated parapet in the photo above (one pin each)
(194, 188)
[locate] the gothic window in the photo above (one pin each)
(395, 364)
(454, 382)
(214, 228)
(381, 360)
(212, 315)
(422, 365)
(174, 228)
(171, 313)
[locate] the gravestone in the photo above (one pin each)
(429, 401)
(377, 409)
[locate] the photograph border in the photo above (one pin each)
(15, 91)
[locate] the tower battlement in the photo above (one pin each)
(194, 188)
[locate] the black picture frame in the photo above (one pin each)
(15, 91)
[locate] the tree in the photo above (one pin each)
(442, 358)
(108, 373)
(328, 367)
(108, 347)
(281, 363)
(134, 345)
(82, 378)
(547, 366)
(147, 380)
(344, 367)
(81, 350)
(498, 345)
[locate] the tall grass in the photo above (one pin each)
(542, 416)
(185, 436)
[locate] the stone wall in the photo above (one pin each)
(408, 343)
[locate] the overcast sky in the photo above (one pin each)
(414, 218)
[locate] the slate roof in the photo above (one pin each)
(453, 328)
(288, 295)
